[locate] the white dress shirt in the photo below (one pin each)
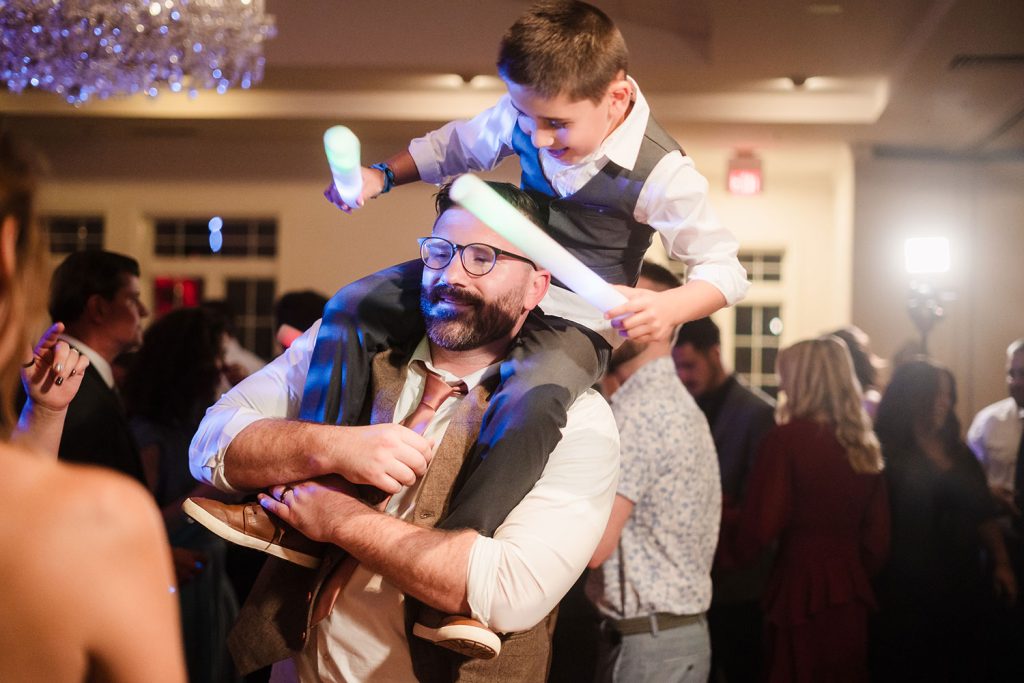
(673, 200)
(97, 361)
(994, 437)
(513, 579)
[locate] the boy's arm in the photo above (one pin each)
(476, 144)
(651, 316)
(403, 170)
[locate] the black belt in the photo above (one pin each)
(652, 623)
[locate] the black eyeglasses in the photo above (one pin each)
(477, 258)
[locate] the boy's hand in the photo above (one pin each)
(647, 316)
(373, 183)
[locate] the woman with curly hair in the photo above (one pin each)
(935, 590)
(816, 490)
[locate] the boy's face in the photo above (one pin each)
(570, 130)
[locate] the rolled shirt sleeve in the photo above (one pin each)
(274, 391)
(515, 578)
(674, 201)
(477, 144)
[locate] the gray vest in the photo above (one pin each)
(596, 222)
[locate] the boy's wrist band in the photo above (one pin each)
(389, 176)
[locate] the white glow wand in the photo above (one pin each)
(476, 197)
(342, 148)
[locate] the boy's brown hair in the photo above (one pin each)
(563, 47)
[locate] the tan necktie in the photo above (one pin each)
(435, 392)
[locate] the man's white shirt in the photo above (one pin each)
(513, 579)
(994, 437)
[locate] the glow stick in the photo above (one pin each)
(342, 148)
(476, 197)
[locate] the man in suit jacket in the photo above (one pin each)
(476, 292)
(96, 294)
(739, 417)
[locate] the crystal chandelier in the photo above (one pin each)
(86, 49)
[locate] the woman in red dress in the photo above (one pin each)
(816, 491)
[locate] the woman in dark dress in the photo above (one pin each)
(937, 589)
(169, 385)
(816, 490)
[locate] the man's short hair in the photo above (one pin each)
(519, 200)
(299, 309)
(702, 333)
(1015, 347)
(83, 274)
(563, 47)
(659, 274)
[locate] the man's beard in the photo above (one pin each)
(462, 329)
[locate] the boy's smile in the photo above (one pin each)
(570, 131)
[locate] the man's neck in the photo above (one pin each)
(462, 363)
(652, 353)
(97, 342)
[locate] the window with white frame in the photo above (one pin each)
(756, 344)
(69, 234)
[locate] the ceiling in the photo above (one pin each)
(933, 78)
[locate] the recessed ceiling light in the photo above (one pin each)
(822, 9)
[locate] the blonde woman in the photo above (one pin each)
(816, 490)
(86, 585)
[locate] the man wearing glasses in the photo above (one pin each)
(476, 294)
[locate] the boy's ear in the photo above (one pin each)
(620, 92)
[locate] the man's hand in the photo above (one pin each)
(373, 185)
(54, 374)
(388, 456)
(647, 315)
(315, 508)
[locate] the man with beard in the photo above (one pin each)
(353, 619)
(651, 578)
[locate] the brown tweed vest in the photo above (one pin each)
(274, 622)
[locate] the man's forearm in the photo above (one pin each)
(429, 564)
(275, 451)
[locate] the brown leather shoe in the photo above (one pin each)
(251, 526)
(466, 636)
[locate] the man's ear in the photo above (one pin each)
(540, 281)
(8, 246)
(96, 309)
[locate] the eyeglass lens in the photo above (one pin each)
(477, 259)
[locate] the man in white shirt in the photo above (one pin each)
(995, 434)
(511, 582)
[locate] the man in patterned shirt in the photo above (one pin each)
(652, 569)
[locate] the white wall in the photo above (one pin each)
(980, 208)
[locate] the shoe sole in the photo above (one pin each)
(470, 641)
(233, 535)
